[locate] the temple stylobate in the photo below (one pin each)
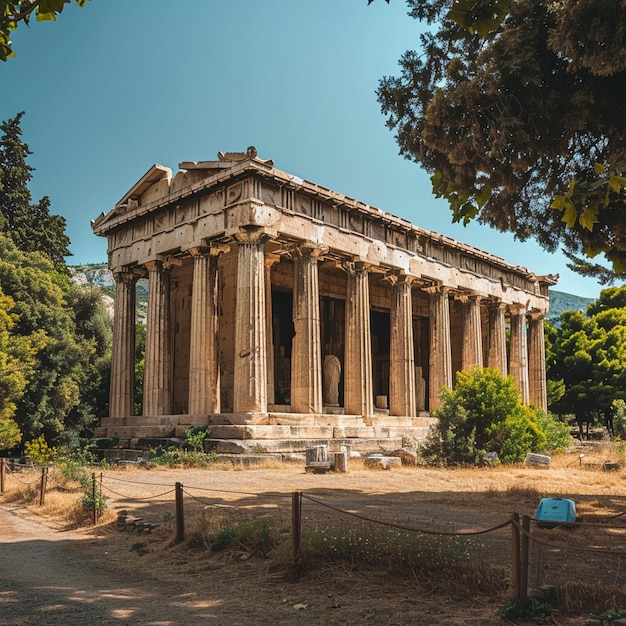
(282, 313)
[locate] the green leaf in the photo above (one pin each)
(617, 182)
(482, 195)
(599, 168)
(588, 218)
(569, 215)
(558, 202)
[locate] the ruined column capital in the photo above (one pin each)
(537, 316)
(517, 309)
(251, 235)
(309, 249)
(125, 276)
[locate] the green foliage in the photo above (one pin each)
(10, 434)
(619, 419)
(92, 498)
(258, 536)
(511, 107)
(12, 12)
(586, 354)
(31, 226)
(556, 432)
(55, 337)
(393, 549)
(484, 414)
(174, 456)
(195, 438)
(517, 611)
(39, 452)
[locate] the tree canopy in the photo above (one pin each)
(516, 110)
(31, 226)
(55, 336)
(587, 354)
(14, 12)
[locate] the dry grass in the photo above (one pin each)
(459, 497)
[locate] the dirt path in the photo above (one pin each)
(49, 576)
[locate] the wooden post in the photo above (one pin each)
(180, 515)
(3, 462)
(524, 558)
(515, 560)
(296, 524)
(44, 480)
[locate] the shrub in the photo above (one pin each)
(484, 414)
(39, 452)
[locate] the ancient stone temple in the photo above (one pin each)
(282, 313)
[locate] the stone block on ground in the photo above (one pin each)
(382, 462)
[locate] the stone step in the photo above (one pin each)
(292, 446)
(141, 420)
(262, 431)
(143, 432)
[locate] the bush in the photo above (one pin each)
(484, 414)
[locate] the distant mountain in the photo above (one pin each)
(560, 302)
(99, 275)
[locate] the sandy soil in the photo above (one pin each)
(105, 576)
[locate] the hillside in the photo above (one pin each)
(560, 302)
(99, 275)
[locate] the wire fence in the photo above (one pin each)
(578, 558)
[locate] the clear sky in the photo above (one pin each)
(119, 85)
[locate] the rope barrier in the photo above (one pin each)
(240, 493)
(410, 528)
(127, 497)
(136, 482)
(217, 505)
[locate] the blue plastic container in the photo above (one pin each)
(552, 511)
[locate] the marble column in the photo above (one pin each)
(358, 385)
(157, 383)
(496, 351)
(518, 361)
(250, 375)
(472, 352)
(204, 371)
(537, 362)
(270, 260)
(402, 400)
(440, 365)
(122, 388)
(306, 353)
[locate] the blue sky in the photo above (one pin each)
(112, 88)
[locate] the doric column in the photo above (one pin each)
(472, 353)
(518, 362)
(122, 388)
(250, 376)
(204, 371)
(306, 353)
(358, 386)
(440, 366)
(157, 383)
(270, 259)
(401, 358)
(537, 362)
(496, 351)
